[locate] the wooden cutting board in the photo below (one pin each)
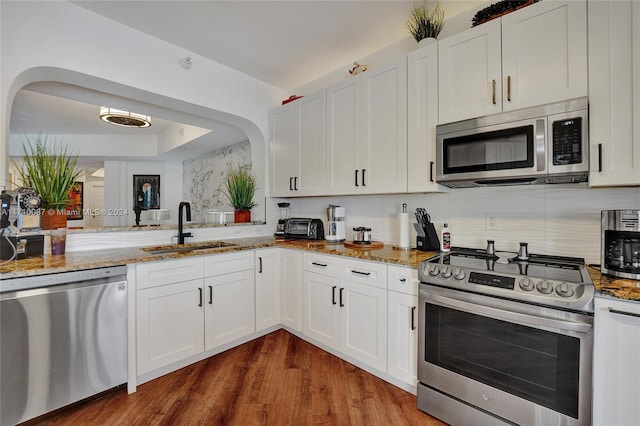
(370, 246)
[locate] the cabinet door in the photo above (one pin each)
(320, 307)
(469, 73)
(284, 149)
(363, 323)
(422, 100)
(229, 308)
(312, 173)
(170, 325)
(267, 288)
(291, 288)
(403, 337)
(616, 400)
(544, 54)
(614, 93)
(344, 136)
(383, 164)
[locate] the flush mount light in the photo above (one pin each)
(124, 118)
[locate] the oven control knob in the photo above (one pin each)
(434, 270)
(564, 290)
(446, 272)
(459, 274)
(544, 287)
(527, 284)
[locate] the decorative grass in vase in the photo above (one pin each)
(240, 187)
(49, 167)
(424, 23)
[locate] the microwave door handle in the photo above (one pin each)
(534, 321)
(541, 157)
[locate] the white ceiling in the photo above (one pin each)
(284, 43)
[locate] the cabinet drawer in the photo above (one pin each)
(154, 274)
(370, 273)
(218, 264)
(404, 280)
(321, 264)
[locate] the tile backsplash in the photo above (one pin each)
(561, 220)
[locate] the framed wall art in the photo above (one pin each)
(146, 191)
(75, 207)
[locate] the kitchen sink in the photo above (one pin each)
(181, 248)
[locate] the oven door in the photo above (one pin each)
(522, 363)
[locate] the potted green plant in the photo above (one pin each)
(50, 168)
(424, 24)
(240, 187)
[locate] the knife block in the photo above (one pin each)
(429, 241)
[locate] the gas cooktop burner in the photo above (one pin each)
(557, 281)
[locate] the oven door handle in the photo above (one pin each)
(535, 321)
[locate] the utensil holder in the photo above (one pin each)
(429, 241)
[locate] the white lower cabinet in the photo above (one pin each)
(291, 289)
(169, 324)
(616, 362)
(229, 308)
(346, 308)
(182, 312)
(321, 315)
(230, 297)
(402, 355)
(267, 266)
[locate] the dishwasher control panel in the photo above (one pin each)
(47, 280)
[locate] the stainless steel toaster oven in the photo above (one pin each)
(304, 228)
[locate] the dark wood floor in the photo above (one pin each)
(278, 379)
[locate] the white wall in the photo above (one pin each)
(59, 41)
(561, 220)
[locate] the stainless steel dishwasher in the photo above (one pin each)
(63, 338)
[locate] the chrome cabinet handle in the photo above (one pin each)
(493, 91)
(509, 88)
(211, 295)
(629, 314)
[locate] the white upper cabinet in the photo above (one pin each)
(422, 118)
(533, 56)
(469, 73)
(367, 132)
(298, 147)
(614, 93)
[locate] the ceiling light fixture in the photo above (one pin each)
(124, 118)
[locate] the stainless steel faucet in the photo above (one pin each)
(182, 235)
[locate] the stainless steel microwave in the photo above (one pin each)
(545, 144)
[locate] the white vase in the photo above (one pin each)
(426, 41)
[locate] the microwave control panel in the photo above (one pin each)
(567, 141)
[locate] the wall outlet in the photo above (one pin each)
(492, 221)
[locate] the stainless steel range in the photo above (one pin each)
(505, 338)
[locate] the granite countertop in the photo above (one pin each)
(74, 261)
(620, 288)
